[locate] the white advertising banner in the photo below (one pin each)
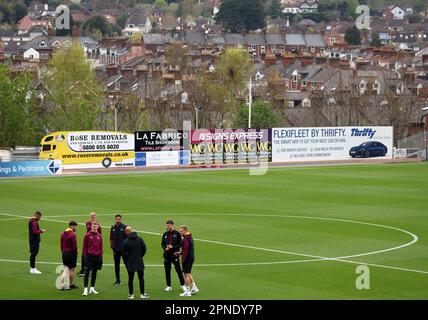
(90, 141)
(331, 143)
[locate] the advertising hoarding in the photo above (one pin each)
(228, 146)
(331, 143)
(30, 168)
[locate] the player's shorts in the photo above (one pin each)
(187, 266)
(69, 259)
(93, 262)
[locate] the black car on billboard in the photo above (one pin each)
(369, 149)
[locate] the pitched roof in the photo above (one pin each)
(138, 20)
(314, 40)
(195, 37)
(294, 39)
(233, 38)
(154, 38)
(275, 38)
(254, 39)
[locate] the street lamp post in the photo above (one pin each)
(250, 102)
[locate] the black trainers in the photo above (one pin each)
(117, 283)
(74, 287)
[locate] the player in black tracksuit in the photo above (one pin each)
(34, 232)
(171, 244)
(117, 236)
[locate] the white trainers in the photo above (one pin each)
(130, 296)
(194, 290)
(184, 288)
(85, 292)
(186, 294)
(92, 291)
(144, 296)
(168, 289)
(34, 271)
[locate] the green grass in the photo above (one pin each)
(235, 208)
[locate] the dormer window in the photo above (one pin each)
(43, 44)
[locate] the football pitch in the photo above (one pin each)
(293, 233)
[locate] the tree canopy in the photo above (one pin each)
(239, 15)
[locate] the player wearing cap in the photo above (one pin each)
(171, 244)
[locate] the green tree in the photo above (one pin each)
(274, 10)
(353, 36)
(263, 115)
(5, 14)
(238, 15)
(98, 23)
(74, 96)
(19, 11)
(121, 20)
(376, 41)
(352, 6)
(20, 123)
(185, 8)
(414, 18)
(160, 4)
(233, 69)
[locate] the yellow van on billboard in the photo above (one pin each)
(89, 149)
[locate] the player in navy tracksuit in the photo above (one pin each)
(171, 244)
(117, 236)
(34, 233)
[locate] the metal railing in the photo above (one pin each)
(415, 145)
(19, 154)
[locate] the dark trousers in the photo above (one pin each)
(82, 265)
(92, 270)
(116, 257)
(168, 260)
(34, 250)
(131, 281)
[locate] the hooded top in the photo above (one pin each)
(133, 251)
(68, 241)
(93, 244)
(188, 251)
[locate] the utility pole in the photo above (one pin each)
(197, 118)
(250, 102)
(115, 117)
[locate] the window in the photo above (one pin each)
(46, 147)
(312, 49)
(262, 49)
(50, 138)
(332, 40)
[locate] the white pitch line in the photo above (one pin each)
(414, 237)
(241, 264)
(315, 258)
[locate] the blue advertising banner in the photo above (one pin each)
(30, 168)
(162, 158)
